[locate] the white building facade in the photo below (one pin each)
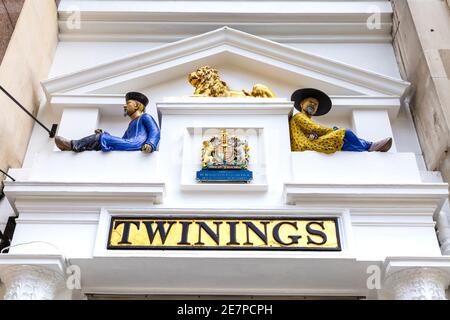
(385, 204)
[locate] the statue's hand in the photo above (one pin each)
(147, 148)
(97, 131)
(313, 136)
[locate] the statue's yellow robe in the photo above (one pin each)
(301, 126)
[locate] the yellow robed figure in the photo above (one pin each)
(309, 135)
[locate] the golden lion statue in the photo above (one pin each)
(207, 83)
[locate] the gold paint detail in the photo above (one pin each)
(274, 233)
(207, 83)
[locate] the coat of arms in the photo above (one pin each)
(225, 159)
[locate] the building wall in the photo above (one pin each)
(75, 55)
(9, 13)
(422, 47)
(26, 62)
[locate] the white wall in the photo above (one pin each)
(376, 57)
(74, 56)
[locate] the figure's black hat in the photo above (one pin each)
(324, 100)
(140, 97)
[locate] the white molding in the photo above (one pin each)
(55, 262)
(425, 195)
(153, 64)
(224, 106)
(222, 187)
(38, 218)
(346, 104)
(229, 212)
(393, 217)
(308, 21)
(393, 224)
(151, 193)
(109, 104)
(349, 35)
(284, 292)
(396, 264)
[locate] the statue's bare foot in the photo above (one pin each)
(382, 145)
(63, 144)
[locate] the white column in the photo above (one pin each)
(29, 282)
(77, 123)
(373, 125)
(417, 284)
(443, 226)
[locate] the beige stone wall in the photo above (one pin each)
(422, 44)
(27, 61)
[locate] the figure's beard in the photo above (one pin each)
(310, 110)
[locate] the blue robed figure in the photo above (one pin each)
(142, 133)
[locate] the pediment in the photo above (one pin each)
(231, 48)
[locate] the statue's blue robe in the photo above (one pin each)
(142, 130)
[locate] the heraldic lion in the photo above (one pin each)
(207, 83)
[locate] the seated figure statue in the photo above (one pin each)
(142, 134)
(309, 135)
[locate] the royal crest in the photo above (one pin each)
(225, 152)
(225, 158)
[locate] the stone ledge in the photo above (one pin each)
(75, 192)
(427, 195)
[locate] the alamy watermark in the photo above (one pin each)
(374, 20)
(373, 281)
(73, 21)
(73, 281)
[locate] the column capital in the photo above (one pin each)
(426, 283)
(31, 282)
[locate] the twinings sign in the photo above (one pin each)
(214, 233)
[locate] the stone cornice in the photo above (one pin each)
(110, 103)
(224, 106)
(308, 21)
(426, 195)
(101, 193)
(55, 262)
(396, 264)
